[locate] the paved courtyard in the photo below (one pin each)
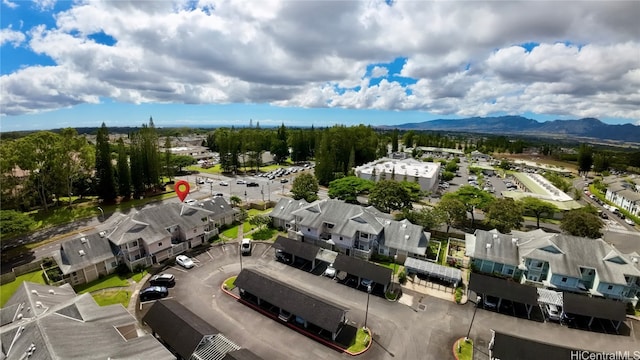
(417, 327)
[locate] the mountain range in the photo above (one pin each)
(588, 127)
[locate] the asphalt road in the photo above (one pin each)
(400, 331)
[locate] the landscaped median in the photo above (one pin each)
(360, 343)
(463, 349)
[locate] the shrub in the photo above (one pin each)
(458, 295)
(402, 277)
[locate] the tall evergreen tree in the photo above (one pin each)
(136, 164)
(124, 176)
(394, 140)
(168, 169)
(106, 187)
(585, 158)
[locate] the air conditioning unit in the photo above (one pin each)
(83, 240)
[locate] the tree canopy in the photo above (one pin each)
(472, 198)
(349, 188)
(453, 211)
(12, 222)
(389, 195)
(581, 222)
(305, 186)
(504, 214)
(538, 207)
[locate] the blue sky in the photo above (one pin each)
(302, 63)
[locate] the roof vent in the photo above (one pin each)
(635, 260)
(19, 317)
(103, 233)
(83, 240)
(495, 236)
(81, 252)
(488, 246)
(38, 304)
(406, 237)
(404, 225)
(52, 292)
(514, 241)
(34, 292)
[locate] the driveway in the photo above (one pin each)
(400, 331)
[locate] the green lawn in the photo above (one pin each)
(111, 281)
(230, 283)
(465, 351)
(542, 220)
(9, 289)
(360, 342)
(253, 212)
(231, 232)
(246, 227)
(138, 276)
(212, 170)
(111, 297)
(396, 268)
(264, 234)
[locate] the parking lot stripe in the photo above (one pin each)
(211, 256)
(264, 253)
(177, 268)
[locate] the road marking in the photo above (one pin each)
(211, 256)
(176, 268)
(264, 253)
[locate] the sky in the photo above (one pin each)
(302, 62)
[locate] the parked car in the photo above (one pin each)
(252, 184)
(330, 271)
(224, 183)
(209, 180)
(191, 201)
(185, 261)
(240, 182)
(218, 194)
(283, 256)
(553, 312)
(366, 282)
(153, 293)
(629, 221)
(245, 246)
(166, 280)
(490, 302)
(284, 181)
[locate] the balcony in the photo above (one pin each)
(362, 254)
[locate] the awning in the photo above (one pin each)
(444, 273)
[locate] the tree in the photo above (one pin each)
(349, 188)
(452, 210)
(260, 221)
(279, 148)
(389, 195)
(585, 159)
(305, 186)
(124, 176)
(235, 201)
(447, 176)
(581, 223)
(181, 161)
(106, 187)
(538, 207)
(504, 214)
(428, 218)
(472, 198)
(14, 222)
(394, 140)
(168, 170)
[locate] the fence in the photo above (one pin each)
(20, 270)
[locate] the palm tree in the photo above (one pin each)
(235, 201)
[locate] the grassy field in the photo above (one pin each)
(232, 232)
(395, 268)
(7, 290)
(111, 281)
(230, 283)
(360, 342)
(111, 297)
(264, 234)
(465, 351)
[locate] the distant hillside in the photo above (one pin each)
(589, 127)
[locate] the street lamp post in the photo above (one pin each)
(478, 299)
(101, 212)
(366, 313)
(245, 197)
(211, 188)
(395, 264)
(262, 192)
(240, 254)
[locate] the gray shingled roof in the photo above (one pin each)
(403, 235)
(150, 224)
(95, 249)
(347, 218)
(629, 195)
(285, 207)
(502, 248)
(59, 336)
(178, 326)
(218, 207)
(313, 308)
(576, 252)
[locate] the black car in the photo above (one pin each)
(252, 184)
(284, 181)
(166, 280)
(153, 293)
(283, 256)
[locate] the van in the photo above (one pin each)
(245, 246)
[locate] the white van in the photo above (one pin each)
(245, 246)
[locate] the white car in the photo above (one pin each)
(330, 271)
(245, 246)
(191, 201)
(210, 180)
(629, 221)
(224, 183)
(185, 261)
(240, 182)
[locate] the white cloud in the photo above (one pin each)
(10, 4)
(8, 35)
(465, 59)
(44, 5)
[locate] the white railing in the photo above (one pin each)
(363, 254)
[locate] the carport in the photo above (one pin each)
(614, 311)
(297, 248)
(503, 289)
(307, 307)
(363, 270)
(507, 347)
(447, 274)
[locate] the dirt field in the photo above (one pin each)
(539, 159)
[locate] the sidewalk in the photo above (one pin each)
(436, 290)
(135, 290)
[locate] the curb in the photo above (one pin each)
(302, 331)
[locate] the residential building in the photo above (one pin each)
(557, 261)
(221, 212)
(350, 229)
(49, 322)
(157, 233)
(625, 194)
(86, 258)
(423, 173)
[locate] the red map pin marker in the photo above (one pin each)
(182, 189)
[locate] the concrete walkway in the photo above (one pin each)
(437, 290)
(135, 290)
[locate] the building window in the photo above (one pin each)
(564, 279)
(510, 272)
(340, 237)
(113, 264)
(308, 229)
(330, 226)
(610, 287)
(134, 244)
(160, 244)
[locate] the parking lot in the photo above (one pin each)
(420, 327)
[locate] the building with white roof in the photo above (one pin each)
(423, 173)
